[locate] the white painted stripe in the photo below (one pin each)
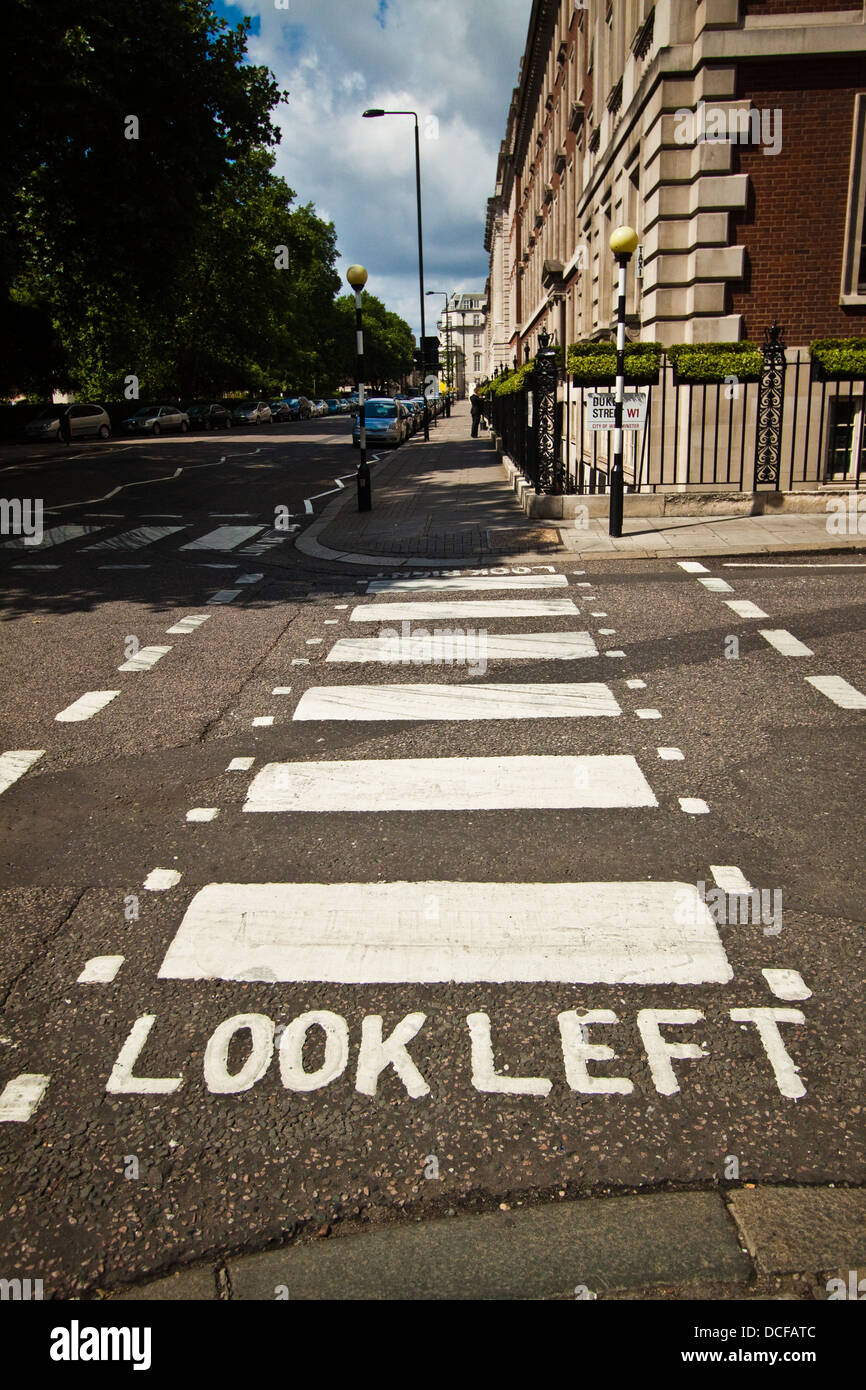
(464, 608)
(339, 606)
(223, 538)
(479, 583)
(282, 690)
(730, 879)
(744, 609)
(159, 880)
(429, 702)
(615, 652)
(787, 984)
(796, 565)
(671, 755)
(607, 632)
(451, 784)
(57, 535)
(134, 540)
(249, 578)
(100, 970)
(839, 691)
(444, 644)
(692, 567)
(300, 661)
(315, 641)
(202, 813)
(240, 764)
(598, 615)
(224, 596)
(123, 567)
(86, 706)
(144, 659)
(648, 713)
(785, 642)
(694, 806)
(392, 933)
(263, 721)
(36, 569)
(189, 624)
(15, 763)
(717, 586)
(636, 685)
(21, 1096)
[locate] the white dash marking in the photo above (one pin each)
(300, 661)
(598, 615)
(730, 879)
(240, 764)
(263, 721)
(20, 1097)
(636, 685)
(671, 755)
(282, 690)
(785, 642)
(224, 596)
(144, 659)
(314, 641)
(745, 609)
(607, 631)
(648, 713)
(202, 813)
(692, 567)
(15, 763)
(86, 706)
(160, 880)
(787, 984)
(717, 586)
(223, 538)
(100, 970)
(189, 624)
(694, 806)
(615, 652)
(249, 578)
(839, 691)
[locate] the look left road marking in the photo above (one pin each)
(386, 933)
(451, 784)
(86, 706)
(429, 702)
(15, 763)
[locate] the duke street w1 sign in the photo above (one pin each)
(600, 410)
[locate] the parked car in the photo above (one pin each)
(384, 421)
(154, 419)
(206, 416)
(321, 407)
(252, 413)
(85, 421)
(302, 407)
(281, 411)
(335, 406)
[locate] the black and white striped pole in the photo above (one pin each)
(623, 243)
(357, 278)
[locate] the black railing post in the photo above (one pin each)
(771, 404)
(544, 382)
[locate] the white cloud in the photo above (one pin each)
(455, 61)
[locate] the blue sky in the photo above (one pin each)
(455, 62)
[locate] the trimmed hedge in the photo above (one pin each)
(595, 363)
(840, 356)
(714, 361)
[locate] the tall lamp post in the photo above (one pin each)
(357, 278)
(623, 244)
(370, 114)
(447, 346)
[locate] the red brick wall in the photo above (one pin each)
(758, 7)
(794, 225)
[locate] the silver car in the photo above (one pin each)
(154, 419)
(252, 413)
(85, 421)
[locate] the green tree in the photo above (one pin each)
(388, 341)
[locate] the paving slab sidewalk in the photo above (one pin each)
(449, 500)
(746, 1243)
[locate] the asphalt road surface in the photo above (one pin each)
(311, 916)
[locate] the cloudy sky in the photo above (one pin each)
(455, 62)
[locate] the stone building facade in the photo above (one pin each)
(730, 133)
(463, 332)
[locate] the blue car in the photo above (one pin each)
(385, 422)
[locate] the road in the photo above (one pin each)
(308, 926)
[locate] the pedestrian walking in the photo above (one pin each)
(476, 405)
(65, 428)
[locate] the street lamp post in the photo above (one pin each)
(373, 112)
(357, 278)
(447, 347)
(623, 243)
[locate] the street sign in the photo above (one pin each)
(431, 387)
(600, 410)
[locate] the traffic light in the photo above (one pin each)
(430, 353)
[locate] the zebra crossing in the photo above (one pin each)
(624, 932)
(75, 540)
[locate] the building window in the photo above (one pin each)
(846, 439)
(854, 257)
(477, 362)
